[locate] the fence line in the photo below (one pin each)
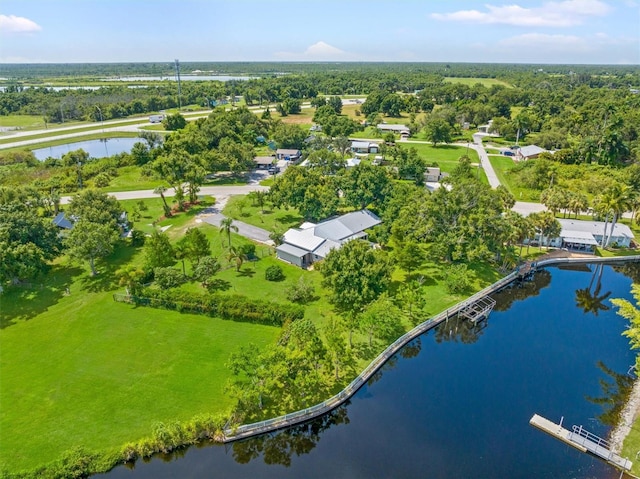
(303, 415)
(247, 430)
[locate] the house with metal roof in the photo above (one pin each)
(264, 162)
(287, 154)
(529, 152)
(312, 242)
(61, 221)
(364, 147)
(394, 128)
(585, 236)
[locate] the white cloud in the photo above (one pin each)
(320, 51)
(15, 24)
(549, 14)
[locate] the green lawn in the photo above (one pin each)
(272, 219)
(502, 165)
(631, 446)
(85, 370)
(446, 156)
(22, 122)
(129, 179)
(487, 82)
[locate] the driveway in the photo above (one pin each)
(248, 231)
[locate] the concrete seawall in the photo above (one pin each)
(303, 415)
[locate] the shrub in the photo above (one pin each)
(233, 306)
(301, 292)
(248, 249)
(167, 278)
(274, 273)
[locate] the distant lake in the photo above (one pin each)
(182, 77)
(96, 148)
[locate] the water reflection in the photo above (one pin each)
(280, 446)
(521, 290)
(616, 389)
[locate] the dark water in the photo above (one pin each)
(96, 148)
(456, 402)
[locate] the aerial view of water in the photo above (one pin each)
(96, 148)
(456, 402)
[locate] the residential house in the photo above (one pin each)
(289, 155)
(584, 236)
(432, 174)
(364, 147)
(529, 152)
(398, 129)
(312, 242)
(352, 162)
(61, 221)
(263, 162)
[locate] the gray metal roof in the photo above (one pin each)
(305, 239)
(325, 247)
(531, 150)
(392, 127)
(61, 221)
(264, 160)
(593, 227)
(292, 250)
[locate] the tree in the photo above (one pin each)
(160, 190)
(631, 312)
(174, 122)
(95, 207)
(205, 270)
(27, 243)
(226, 226)
(158, 252)
(335, 102)
(546, 225)
(410, 256)
(131, 276)
(195, 245)
(365, 184)
(90, 241)
(438, 131)
(356, 275)
(235, 255)
(382, 318)
(615, 200)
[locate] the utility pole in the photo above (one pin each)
(179, 87)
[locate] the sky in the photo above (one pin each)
(514, 31)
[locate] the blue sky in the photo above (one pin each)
(524, 31)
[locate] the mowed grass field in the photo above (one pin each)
(84, 370)
(487, 82)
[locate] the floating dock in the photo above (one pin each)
(582, 440)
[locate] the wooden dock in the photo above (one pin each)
(582, 440)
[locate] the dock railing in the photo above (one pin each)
(247, 430)
(303, 415)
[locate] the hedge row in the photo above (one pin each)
(81, 463)
(233, 306)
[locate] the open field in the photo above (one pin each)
(487, 82)
(501, 165)
(105, 372)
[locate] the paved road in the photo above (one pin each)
(244, 229)
(204, 190)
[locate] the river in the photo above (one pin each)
(456, 402)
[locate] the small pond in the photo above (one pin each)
(456, 402)
(96, 148)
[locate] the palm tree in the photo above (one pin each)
(237, 256)
(226, 226)
(592, 302)
(619, 200)
(160, 191)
